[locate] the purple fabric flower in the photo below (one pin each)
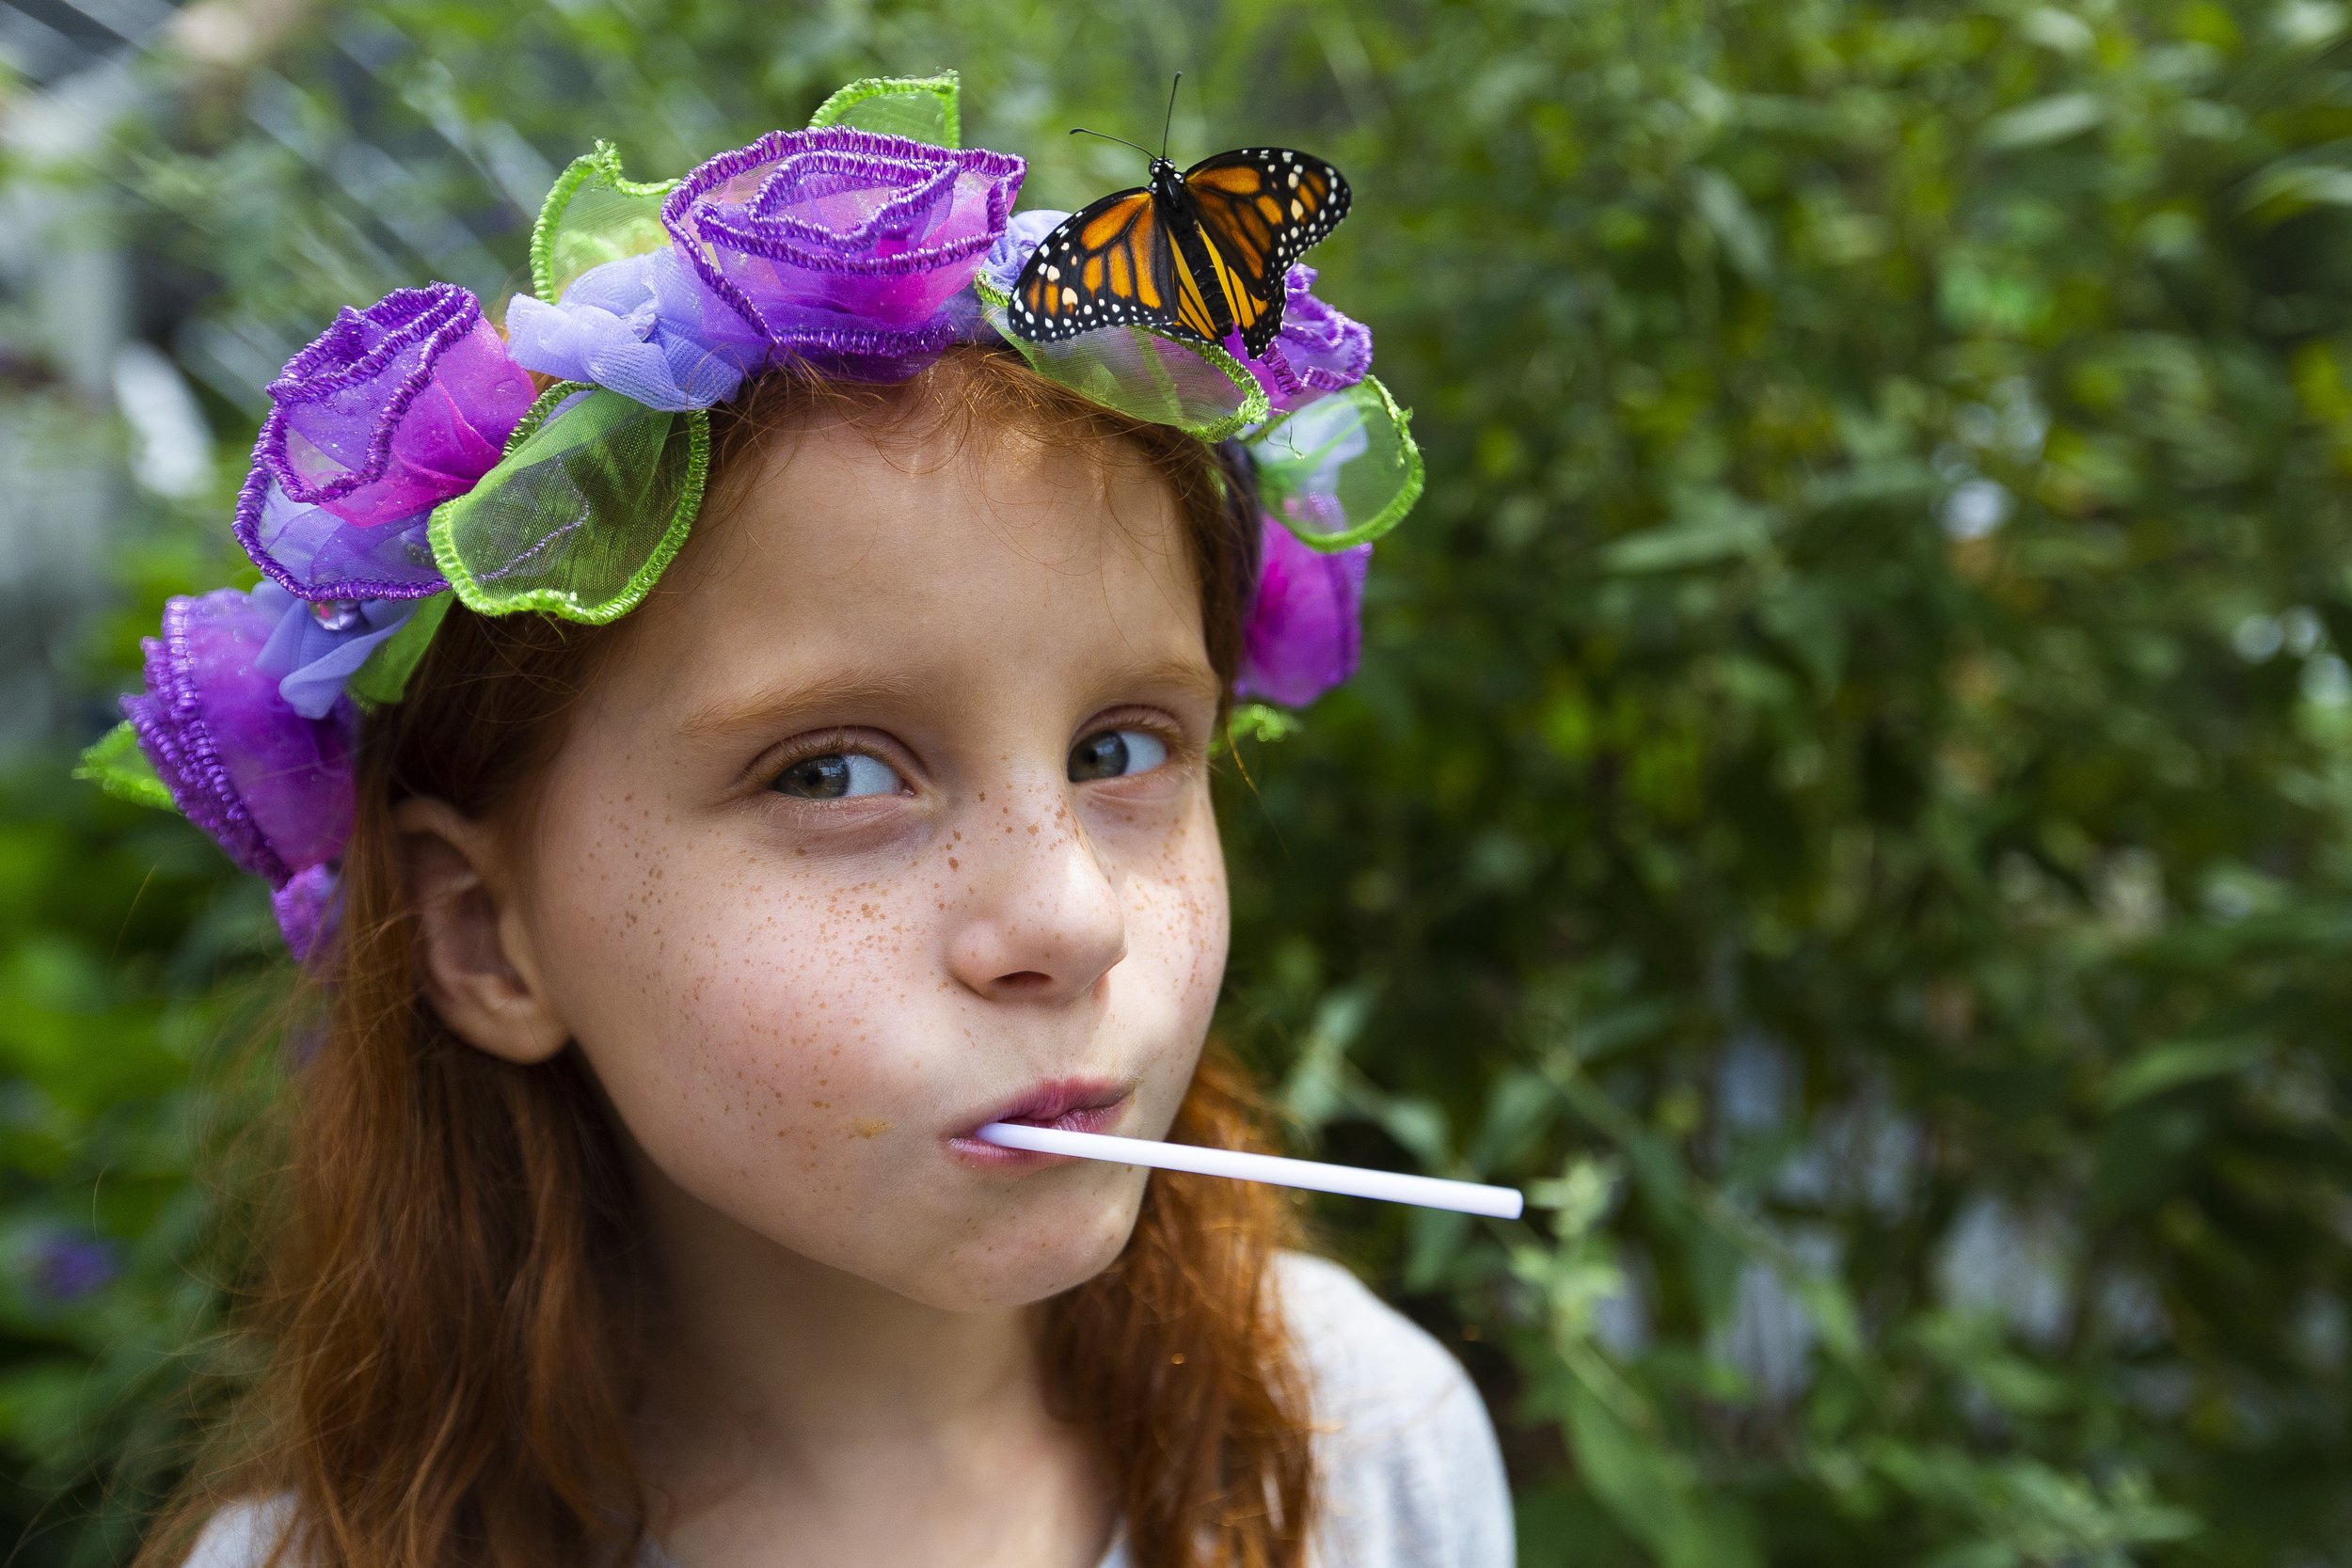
(272, 787)
(647, 326)
(1318, 350)
(1305, 620)
(844, 246)
(392, 410)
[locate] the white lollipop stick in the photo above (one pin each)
(1430, 1191)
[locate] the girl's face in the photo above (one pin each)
(890, 816)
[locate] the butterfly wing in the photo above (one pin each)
(1107, 265)
(1261, 208)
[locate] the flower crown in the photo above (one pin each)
(410, 460)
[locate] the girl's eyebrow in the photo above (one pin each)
(1187, 677)
(765, 706)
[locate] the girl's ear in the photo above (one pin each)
(474, 952)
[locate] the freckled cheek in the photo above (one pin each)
(761, 1005)
(1179, 920)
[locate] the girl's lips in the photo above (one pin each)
(1073, 1105)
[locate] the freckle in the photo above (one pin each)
(952, 865)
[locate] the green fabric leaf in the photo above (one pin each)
(1198, 387)
(1342, 470)
(921, 108)
(593, 498)
(594, 215)
(384, 678)
(118, 765)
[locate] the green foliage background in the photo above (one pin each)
(1848, 797)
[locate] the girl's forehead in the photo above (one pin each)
(937, 559)
(831, 501)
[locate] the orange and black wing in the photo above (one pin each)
(1107, 265)
(1261, 208)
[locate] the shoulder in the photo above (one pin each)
(244, 1534)
(1410, 1471)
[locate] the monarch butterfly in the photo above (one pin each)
(1198, 255)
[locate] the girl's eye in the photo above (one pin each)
(837, 776)
(1113, 753)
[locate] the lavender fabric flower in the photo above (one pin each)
(844, 246)
(315, 647)
(1318, 350)
(647, 326)
(1000, 269)
(308, 910)
(271, 787)
(1304, 622)
(1027, 230)
(392, 410)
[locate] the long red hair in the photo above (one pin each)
(448, 1304)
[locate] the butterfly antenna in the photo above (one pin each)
(1082, 131)
(1172, 114)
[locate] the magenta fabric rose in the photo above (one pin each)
(844, 246)
(392, 410)
(270, 786)
(1305, 625)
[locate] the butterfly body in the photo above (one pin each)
(1201, 254)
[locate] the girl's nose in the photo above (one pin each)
(1040, 920)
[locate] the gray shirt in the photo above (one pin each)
(1411, 1477)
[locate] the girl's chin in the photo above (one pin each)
(1025, 1258)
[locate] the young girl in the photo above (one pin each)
(719, 744)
